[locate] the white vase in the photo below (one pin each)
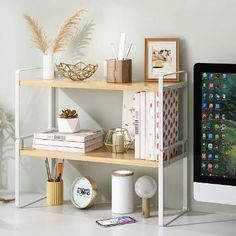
(70, 125)
(48, 66)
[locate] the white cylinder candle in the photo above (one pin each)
(48, 66)
(118, 141)
(122, 192)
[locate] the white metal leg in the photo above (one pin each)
(51, 117)
(160, 157)
(17, 134)
(161, 150)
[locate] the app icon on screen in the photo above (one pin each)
(217, 96)
(210, 136)
(217, 106)
(217, 86)
(210, 146)
(211, 85)
(211, 106)
(211, 96)
(210, 165)
(217, 156)
(204, 165)
(204, 155)
(224, 96)
(204, 115)
(210, 156)
(217, 137)
(204, 105)
(217, 116)
(216, 166)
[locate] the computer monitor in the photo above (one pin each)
(215, 133)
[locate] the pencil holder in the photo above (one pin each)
(119, 71)
(54, 193)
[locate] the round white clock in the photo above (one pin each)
(83, 192)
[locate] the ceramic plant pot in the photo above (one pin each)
(68, 125)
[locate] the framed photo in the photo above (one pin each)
(161, 57)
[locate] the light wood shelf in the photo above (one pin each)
(101, 155)
(94, 84)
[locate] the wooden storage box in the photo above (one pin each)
(54, 192)
(119, 71)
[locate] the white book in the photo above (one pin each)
(81, 136)
(137, 126)
(68, 149)
(152, 120)
(62, 143)
(150, 126)
(157, 127)
(142, 125)
(128, 113)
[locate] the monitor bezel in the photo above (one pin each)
(200, 68)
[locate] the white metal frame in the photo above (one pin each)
(19, 141)
(182, 143)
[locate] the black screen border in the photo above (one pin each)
(199, 68)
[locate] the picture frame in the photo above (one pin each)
(161, 57)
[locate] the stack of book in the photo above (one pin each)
(141, 114)
(80, 142)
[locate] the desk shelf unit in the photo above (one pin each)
(102, 155)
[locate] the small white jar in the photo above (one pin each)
(122, 192)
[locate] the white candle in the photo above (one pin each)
(118, 141)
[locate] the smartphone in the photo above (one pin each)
(116, 221)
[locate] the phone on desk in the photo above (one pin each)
(116, 221)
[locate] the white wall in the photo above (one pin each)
(206, 30)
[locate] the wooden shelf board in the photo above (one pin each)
(98, 156)
(94, 84)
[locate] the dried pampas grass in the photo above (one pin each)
(39, 38)
(66, 31)
(63, 36)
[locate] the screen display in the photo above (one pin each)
(218, 125)
(116, 221)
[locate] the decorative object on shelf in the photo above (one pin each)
(79, 71)
(59, 44)
(122, 191)
(119, 69)
(161, 57)
(68, 121)
(145, 188)
(83, 192)
(54, 186)
(48, 66)
(54, 193)
(118, 140)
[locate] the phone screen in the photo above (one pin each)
(116, 221)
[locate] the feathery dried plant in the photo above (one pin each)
(66, 31)
(39, 38)
(62, 38)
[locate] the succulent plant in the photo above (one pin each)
(68, 114)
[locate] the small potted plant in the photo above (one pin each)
(68, 121)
